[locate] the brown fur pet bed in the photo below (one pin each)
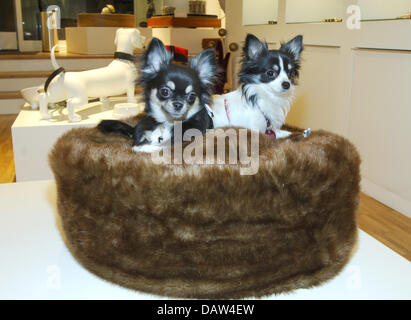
(201, 231)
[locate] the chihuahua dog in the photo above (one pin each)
(267, 81)
(171, 93)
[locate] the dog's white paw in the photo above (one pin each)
(160, 135)
(282, 134)
(147, 148)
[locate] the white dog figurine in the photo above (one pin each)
(117, 78)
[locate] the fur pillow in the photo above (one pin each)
(205, 231)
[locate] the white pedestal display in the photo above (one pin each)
(33, 138)
(37, 265)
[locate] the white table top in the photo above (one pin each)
(91, 114)
(35, 263)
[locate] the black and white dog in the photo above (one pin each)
(267, 80)
(172, 93)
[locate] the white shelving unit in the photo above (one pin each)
(264, 13)
(303, 11)
(382, 9)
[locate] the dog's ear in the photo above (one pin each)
(253, 47)
(205, 65)
(156, 57)
(294, 46)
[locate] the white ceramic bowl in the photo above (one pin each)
(30, 95)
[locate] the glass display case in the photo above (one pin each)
(8, 32)
(260, 12)
(385, 10)
(264, 12)
(31, 9)
(306, 11)
(29, 16)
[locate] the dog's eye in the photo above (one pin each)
(166, 92)
(191, 97)
(270, 73)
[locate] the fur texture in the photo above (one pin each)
(206, 231)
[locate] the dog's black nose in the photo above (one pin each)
(177, 106)
(286, 85)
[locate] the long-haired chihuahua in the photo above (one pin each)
(267, 80)
(171, 93)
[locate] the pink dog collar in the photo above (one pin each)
(269, 131)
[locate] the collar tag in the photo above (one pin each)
(307, 132)
(268, 130)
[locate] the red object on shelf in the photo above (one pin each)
(180, 54)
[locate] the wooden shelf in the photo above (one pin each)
(106, 20)
(10, 95)
(46, 55)
(191, 22)
(24, 74)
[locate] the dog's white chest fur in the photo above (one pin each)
(232, 109)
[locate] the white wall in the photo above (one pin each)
(380, 121)
(363, 95)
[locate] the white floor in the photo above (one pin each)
(35, 264)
